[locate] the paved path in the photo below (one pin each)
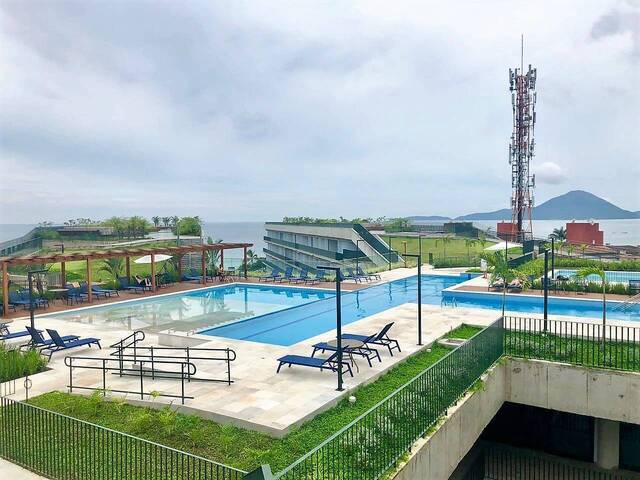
(14, 472)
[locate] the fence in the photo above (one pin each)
(372, 443)
(578, 343)
(501, 462)
(62, 447)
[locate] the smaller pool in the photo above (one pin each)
(611, 276)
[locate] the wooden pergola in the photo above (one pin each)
(127, 253)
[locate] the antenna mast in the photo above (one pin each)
(521, 148)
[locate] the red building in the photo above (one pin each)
(587, 233)
(507, 231)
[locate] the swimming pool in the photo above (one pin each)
(611, 276)
(197, 309)
(305, 321)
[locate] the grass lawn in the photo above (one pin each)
(456, 247)
(234, 446)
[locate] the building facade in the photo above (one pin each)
(305, 246)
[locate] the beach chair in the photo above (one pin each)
(38, 340)
(288, 275)
(302, 278)
(107, 292)
(321, 276)
(330, 363)
(515, 286)
(59, 344)
(381, 338)
(272, 277)
(366, 352)
(373, 276)
(7, 335)
(84, 290)
(125, 285)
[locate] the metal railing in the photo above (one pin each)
(579, 343)
(502, 462)
(61, 447)
(372, 443)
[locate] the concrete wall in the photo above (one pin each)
(606, 395)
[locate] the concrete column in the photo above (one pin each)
(607, 443)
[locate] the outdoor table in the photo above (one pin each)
(348, 345)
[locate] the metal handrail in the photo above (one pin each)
(137, 336)
(187, 370)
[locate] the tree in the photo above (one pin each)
(570, 249)
(213, 256)
(156, 221)
(469, 242)
(446, 239)
(559, 234)
(501, 272)
(584, 273)
(583, 248)
(189, 226)
(174, 220)
(112, 266)
(166, 221)
(252, 257)
(482, 239)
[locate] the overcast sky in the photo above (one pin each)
(254, 110)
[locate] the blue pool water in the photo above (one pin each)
(194, 310)
(305, 321)
(620, 277)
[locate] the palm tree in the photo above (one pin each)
(252, 257)
(213, 256)
(482, 239)
(469, 242)
(166, 221)
(156, 221)
(500, 271)
(559, 234)
(112, 266)
(570, 249)
(583, 248)
(584, 273)
(446, 239)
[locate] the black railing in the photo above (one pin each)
(579, 343)
(61, 447)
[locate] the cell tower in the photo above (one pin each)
(521, 149)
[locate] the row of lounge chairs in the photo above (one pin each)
(367, 351)
(48, 347)
(278, 275)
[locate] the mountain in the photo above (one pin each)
(576, 204)
(423, 218)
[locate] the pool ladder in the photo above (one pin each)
(448, 302)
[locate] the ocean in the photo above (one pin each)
(617, 232)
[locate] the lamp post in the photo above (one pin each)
(546, 286)
(336, 270)
(419, 258)
(553, 258)
(30, 275)
(389, 254)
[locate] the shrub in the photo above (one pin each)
(15, 363)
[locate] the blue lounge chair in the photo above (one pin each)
(302, 278)
(363, 351)
(194, 276)
(60, 344)
(373, 276)
(74, 294)
(288, 275)
(321, 276)
(84, 290)
(38, 340)
(107, 292)
(272, 277)
(22, 299)
(330, 363)
(10, 336)
(125, 285)
(381, 338)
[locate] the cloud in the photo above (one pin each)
(617, 22)
(550, 173)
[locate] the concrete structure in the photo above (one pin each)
(608, 396)
(585, 233)
(309, 245)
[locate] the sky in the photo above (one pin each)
(251, 110)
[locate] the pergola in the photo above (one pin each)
(127, 253)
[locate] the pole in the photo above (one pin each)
(33, 322)
(546, 287)
(419, 259)
(553, 258)
(338, 274)
(389, 254)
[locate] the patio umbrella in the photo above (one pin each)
(157, 258)
(501, 246)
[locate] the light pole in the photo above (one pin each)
(389, 254)
(338, 274)
(30, 275)
(358, 253)
(419, 258)
(546, 287)
(553, 257)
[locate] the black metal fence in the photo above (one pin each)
(579, 343)
(62, 447)
(502, 462)
(370, 445)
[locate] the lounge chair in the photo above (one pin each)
(321, 276)
(60, 344)
(38, 340)
(145, 283)
(272, 277)
(497, 285)
(351, 275)
(107, 292)
(22, 299)
(363, 351)
(74, 294)
(330, 363)
(381, 338)
(288, 275)
(125, 285)
(373, 276)
(194, 276)
(84, 290)
(514, 286)
(302, 278)
(7, 335)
